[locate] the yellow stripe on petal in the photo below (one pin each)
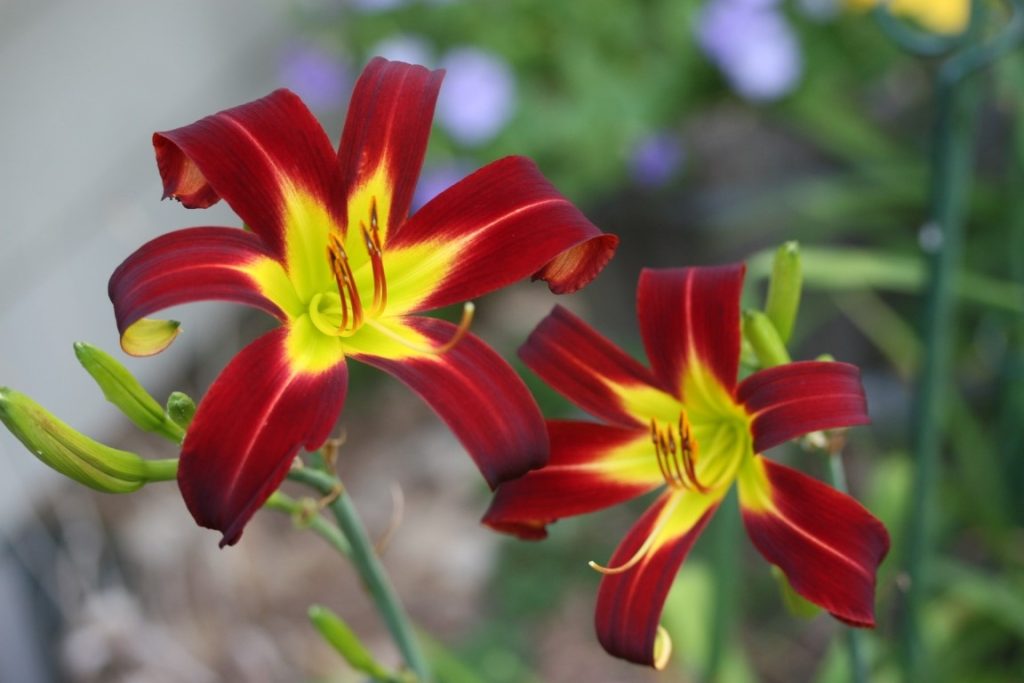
(309, 350)
(388, 339)
(630, 463)
(274, 283)
(367, 203)
(149, 336)
(755, 489)
(646, 402)
(307, 226)
(415, 272)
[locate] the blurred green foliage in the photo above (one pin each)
(842, 165)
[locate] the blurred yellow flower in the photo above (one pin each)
(938, 16)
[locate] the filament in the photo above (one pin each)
(347, 290)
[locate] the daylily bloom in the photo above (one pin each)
(948, 17)
(687, 428)
(331, 252)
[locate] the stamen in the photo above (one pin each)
(645, 548)
(467, 319)
(342, 270)
(677, 454)
(371, 238)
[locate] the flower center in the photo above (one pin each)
(678, 452)
(350, 305)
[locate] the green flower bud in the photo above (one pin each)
(784, 289)
(181, 409)
(337, 633)
(73, 454)
(122, 389)
(764, 339)
(795, 604)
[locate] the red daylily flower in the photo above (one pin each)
(685, 426)
(331, 252)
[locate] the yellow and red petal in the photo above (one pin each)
(629, 603)
(791, 400)
(257, 157)
(248, 428)
(499, 225)
(592, 466)
(690, 317)
(196, 264)
(477, 394)
(825, 542)
(593, 373)
(383, 143)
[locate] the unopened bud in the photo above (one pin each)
(122, 389)
(337, 633)
(764, 339)
(69, 452)
(784, 289)
(181, 409)
(796, 604)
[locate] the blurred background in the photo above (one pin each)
(699, 132)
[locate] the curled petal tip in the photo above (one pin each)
(662, 648)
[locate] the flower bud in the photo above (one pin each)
(122, 389)
(67, 451)
(764, 339)
(181, 409)
(796, 604)
(784, 289)
(337, 633)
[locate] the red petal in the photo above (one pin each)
(629, 604)
(592, 466)
(252, 156)
(510, 223)
(585, 367)
(248, 429)
(387, 126)
(691, 315)
(197, 264)
(478, 395)
(827, 544)
(791, 400)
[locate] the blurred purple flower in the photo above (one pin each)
(478, 97)
(377, 5)
(436, 179)
(655, 159)
(753, 45)
(316, 75)
(404, 48)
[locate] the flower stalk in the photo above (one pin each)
(366, 562)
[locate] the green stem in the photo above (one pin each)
(315, 523)
(956, 106)
(364, 557)
(854, 636)
(161, 470)
(726, 560)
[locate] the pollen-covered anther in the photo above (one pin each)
(371, 238)
(351, 306)
(677, 452)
